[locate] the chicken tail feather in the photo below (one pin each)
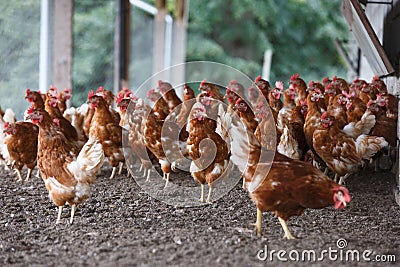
(88, 162)
(367, 146)
(364, 126)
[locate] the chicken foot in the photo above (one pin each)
(28, 175)
(258, 222)
(166, 179)
(148, 171)
(202, 193)
(114, 170)
(60, 209)
(121, 167)
(19, 177)
(209, 193)
(287, 235)
(73, 209)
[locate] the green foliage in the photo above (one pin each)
(19, 52)
(301, 34)
(237, 32)
(94, 23)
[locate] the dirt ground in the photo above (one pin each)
(121, 225)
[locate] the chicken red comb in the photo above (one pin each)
(53, 88)
(323, 116)
(279, 85)
(258, 78)
(356, 80)
(160, 83)
(375, 78)
(325, 80)
(125, 89)
(311, 83)
(150, 92)
(228, 91)
(303, 102)
(31, 109)
(100, 89)
(68, 90)
(328, 86)
(6, 125)
(56, 122)
(348, 95)
(334, 78)
(131, 95)
(91, 94)
(233, 82)
(317, 90)
(203, 83)
(185, 86)
(119, 97)
(295, 76)
(27, 92)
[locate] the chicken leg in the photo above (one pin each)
(60, 209)
(335, 179)
(121, 167)
(141, 168)
(209, 193)
(73, 209)
(257, 224)
(114, 170)
(19, 176)
(28, 175)
(341, 180)
(202, 193)
(148, 171)
(287, 235)
(167, 180)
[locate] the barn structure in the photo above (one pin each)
(374, 48)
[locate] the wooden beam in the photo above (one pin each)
(159, 37)
(121, 45)
(161, 4)
(63, 43)
(180, 9)
(179, 43)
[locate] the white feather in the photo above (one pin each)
(88, 162)
(9, 116)
(364, 126)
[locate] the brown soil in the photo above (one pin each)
(121, 225)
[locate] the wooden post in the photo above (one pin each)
(63, 42)
(121, 46)
(179, 43)
(159, 38)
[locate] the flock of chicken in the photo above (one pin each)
(280, 147)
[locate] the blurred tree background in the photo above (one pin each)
(300, 33)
